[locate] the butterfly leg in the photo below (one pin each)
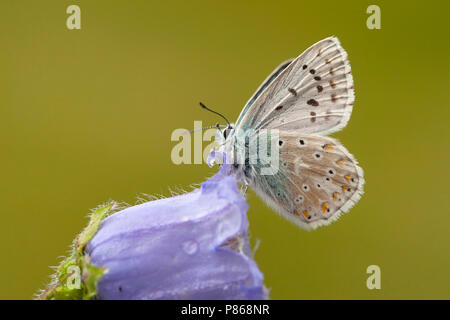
(244, 188)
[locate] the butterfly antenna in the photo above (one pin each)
(220, 115)
(204, 128)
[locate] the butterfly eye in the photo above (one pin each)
(302, 142)
(280, 142)
(227, 131)
(299, 199)
(305, 187)
(331, 171)
(318, 155)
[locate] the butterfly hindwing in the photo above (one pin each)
(317, 180)
(313, 94)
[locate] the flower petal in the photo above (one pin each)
(176, 248)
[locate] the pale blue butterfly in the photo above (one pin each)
(305, 98)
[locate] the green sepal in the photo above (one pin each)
(90, 277)
(76, 277)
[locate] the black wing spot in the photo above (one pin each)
(312, 102)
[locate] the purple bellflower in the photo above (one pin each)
(190, 246)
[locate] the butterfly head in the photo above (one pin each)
(223, 133)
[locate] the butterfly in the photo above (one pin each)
(304, 99)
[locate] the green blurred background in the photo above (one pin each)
(86, 116)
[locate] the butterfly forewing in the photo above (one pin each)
(263, 86)
(313, 94)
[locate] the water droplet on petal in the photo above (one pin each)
(190, 247)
